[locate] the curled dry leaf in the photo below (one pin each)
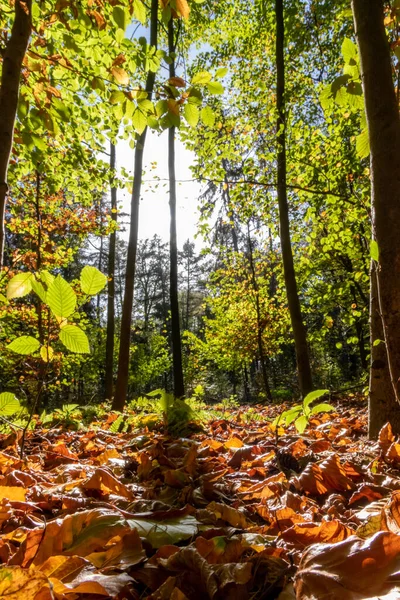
(354, 569)
(323, 477)
(302, 535)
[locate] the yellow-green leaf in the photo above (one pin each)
(19, 286)
(25, 344)
(92, 280)
(61, 298)
(74, 339)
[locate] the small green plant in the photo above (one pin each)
(61, 301)
(231, 402)
(176, 412)
(301, 413)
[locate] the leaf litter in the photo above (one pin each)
(235, 511)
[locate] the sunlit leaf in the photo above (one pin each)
(25, 344)
(74, 339)
(9, 404)
(20, 285)
(61, 298)
(92, 280)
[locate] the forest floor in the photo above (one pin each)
(223, 513)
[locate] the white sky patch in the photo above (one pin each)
(154, 207)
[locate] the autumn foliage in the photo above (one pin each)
(239, 510)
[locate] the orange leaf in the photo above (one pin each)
(177, 82)
(354, 568)
(13, 493)
(106, 482)
(305, 534)
(120, 75)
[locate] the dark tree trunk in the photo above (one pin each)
(299, 330)
(109, 377)
(121, 387)
(384, 135)
(260, 342)
(179, 389)
(9, 91)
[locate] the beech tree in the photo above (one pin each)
(9, 91)
(382, 112)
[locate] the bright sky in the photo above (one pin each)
(154, 208)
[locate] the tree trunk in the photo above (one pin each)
(383, 122)
(121, 387)
(299, 330)
(11, 71)
(260, 342)
(179, 389)
(109, 378)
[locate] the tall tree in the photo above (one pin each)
(299, 330)
(382, 112)
(179, 389)
(109, 378)
(126, 320)
(9, 91)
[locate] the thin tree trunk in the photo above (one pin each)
(179, 389)
(121, 387)
(299, 330)
(383, 121)
(110, 333)
(10, 77)
(260, 342)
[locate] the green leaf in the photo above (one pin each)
(362, 144)
(207, 116)
(39, 289)
(47, 278)
(301, 423)
(19, 286)
(25, 344)
(117, 97)
(92, 280)
(115, 425)
(221, 72)
(139, 121)
(215, 87)
(9, 404)
(322, 408)
(374, 250)
(377, 342)
(290, 415)
(161, 107)
(191, 113)
(74, 339)
(119, 17)
(349, 51)
(61, 298)
(202, 77)
(313, 396)
(139, 10)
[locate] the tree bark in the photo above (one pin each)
(260, 328)
(9, 91)
(121, 387)
(299, 330)
(383, 123)
(110, 333)
(179, 389)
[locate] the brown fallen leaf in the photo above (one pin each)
(302, 535)
(350, 570)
